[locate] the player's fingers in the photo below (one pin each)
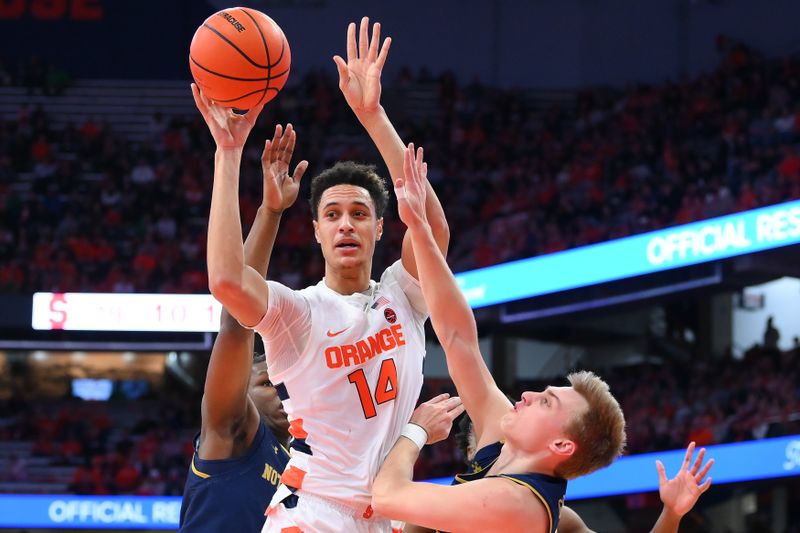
(408, 164)
(455, 413)
(700, 475)
(387, 43)
(276, 142)
(288, 147)
(452, 403)
(252, 114)
(265, 155)
(344, 73)
(292, 144)
(300, 170)
(351, 42)
(662, 474)
(698, 462)
(425, 171)
(363, 38)
(196, 95)
(373, 43)
(438, 399)
(704, 486)
(688, 456)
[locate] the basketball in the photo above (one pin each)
(239, 58)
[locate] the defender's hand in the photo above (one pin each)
(411, 190)
(436, 416)
(360, 76)
(680, 493)
(281, 188)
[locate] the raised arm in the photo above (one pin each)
(681, 493)
(239, 287)
(360, 83)
(451, 316)
(226, 407)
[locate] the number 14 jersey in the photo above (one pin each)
(349, 372)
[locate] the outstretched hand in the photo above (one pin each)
(411, 190)
(680, 493)
(229, 129)
(280, 188)
(360, 76)
(436, 416)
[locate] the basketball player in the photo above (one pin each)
(346, 354)
(549, 436)
(241, 449)
(678, 494)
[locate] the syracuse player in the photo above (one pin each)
(346, 354)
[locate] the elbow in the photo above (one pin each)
(224, 288)
(381, 505)
(382, 497)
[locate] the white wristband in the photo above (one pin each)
(415, 434)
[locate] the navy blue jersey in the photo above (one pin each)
(232, 494)
(548, 489)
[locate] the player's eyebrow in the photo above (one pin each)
(549, 391)
(332, 204)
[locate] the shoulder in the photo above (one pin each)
(548, 490)
(396, 273)
(510, 505)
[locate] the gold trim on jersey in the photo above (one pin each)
(285, 450)
(536, 492)
(198, 473)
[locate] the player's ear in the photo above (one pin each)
(563, 447)
(379, 232)
(316, 230)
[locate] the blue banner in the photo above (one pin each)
(699, 242)
(744, 461)
(741, 461)
(90, 512)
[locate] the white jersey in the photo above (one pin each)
(349, 372)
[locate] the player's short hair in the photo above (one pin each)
(598, 432)
(350, 173)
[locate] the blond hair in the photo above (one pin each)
(598, 432)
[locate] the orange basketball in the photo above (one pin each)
(239, 58)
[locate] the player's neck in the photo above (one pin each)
(516, 461)
(348, 280)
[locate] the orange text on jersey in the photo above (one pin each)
(365, 349)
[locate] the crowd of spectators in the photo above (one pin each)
(133, 447)
(84, 209)
(144, 447)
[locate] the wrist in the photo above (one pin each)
(268, 211)
(670, 515)
(369, 116)
(415, 433)
(229, 151)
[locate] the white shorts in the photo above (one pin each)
(319, 515)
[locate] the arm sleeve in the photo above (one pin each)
(409, 285)
(285, 327)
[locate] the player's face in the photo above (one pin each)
(346, 226)
(538, 420)
(267, 401)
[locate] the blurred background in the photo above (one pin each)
(622, 183)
